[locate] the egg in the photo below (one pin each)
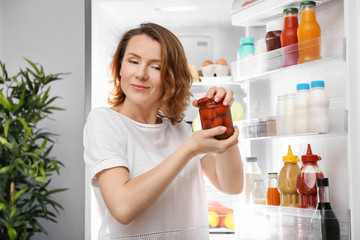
(221, 62)
(206, 63)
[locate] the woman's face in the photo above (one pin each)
(140, 71)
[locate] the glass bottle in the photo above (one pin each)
(329, 224)
(258, 194)
(252, 172)
(273, 195)
(289, 38)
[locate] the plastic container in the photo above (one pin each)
(309, 33)
(287, 180)
(214, 114)
(289, 37)
(301, 108)
(318, 108)
(258, 194)
(252, 172)
(306, 180)
(289, 113)
(273, 195)
(247, 47)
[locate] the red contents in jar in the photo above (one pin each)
(214, 114)
(289, 37)
(272, 40)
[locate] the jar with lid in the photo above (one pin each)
(258, 194)
(214, 114)
(287, 180)
(273, 195)
(252, 172)
(273, 32)
(289, 38)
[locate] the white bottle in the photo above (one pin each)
(289, 113)
(318, 108)
(301, 108)
(258, 194)
(251, 173)
(280, 112)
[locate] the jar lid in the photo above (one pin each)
(291, 10)
(322, 182)
(275, 25)
(247, 40)
(303, 86)
(251, 159)
(308, 3)
(309, 157)
(290, 157)
(272, 174)
(319, 83)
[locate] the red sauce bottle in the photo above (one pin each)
(214, 114)
(289, 37)
(306, 180)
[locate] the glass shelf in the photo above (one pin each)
(253, 221)
(257, 129)
(262, 11)
(261, 65)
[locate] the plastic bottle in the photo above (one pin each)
(318, 108)
(325, 216)
(306, 180)
(273, 195)
(289, 38)
(280, 115)
(301, 108)
(252, 172)
(309, 33)
(247, 47)
(258, 194)
(272, 37)
(287, 181)
(289, 113)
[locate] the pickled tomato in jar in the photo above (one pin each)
(214, 114)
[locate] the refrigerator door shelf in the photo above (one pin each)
(263, 64)
(262, 11)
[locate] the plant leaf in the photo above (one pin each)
(11, 232)
(2, 205)
(20, 192)
(3, 141)
(6, 127)
(4, 101)
(5, 169)
(25, 124)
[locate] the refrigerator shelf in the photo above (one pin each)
(257, 129)
(253, 221)
(262, 11)
(265, 64)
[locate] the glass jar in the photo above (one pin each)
(258, 194)
(214, 114)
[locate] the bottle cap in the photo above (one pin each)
(318, 83)
(251, 159)
(246, 40)
(303, 86)
(291, 10)
(308, 3)
(309, 157)
(272, 174)
(322, 182)
(290, 157)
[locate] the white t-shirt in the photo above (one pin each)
(112, 139)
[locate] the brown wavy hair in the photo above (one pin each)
(175, 73)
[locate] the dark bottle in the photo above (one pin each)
(330, 227)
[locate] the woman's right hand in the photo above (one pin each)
(203, 141)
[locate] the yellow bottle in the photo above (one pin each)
(287, 181)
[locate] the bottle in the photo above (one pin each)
(287, 181)
(214, 114)
(309, 33)
(272, 37)
(251, 173)
(280, 115)
(318, 108)
(289, 113)
(301, 108)
(330, 227)
(273, 195)
(289, 38)
(258, 194)
(247, 48)
(306, 180)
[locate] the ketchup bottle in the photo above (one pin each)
(306, 180)
(289, 37)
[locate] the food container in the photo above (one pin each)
(214, 114)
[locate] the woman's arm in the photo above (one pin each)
(126, 198)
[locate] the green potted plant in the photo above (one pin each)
(26, 165)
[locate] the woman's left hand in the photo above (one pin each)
(218, 93)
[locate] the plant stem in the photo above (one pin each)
(12, 188)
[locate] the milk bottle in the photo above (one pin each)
(318, 108)
(301, 108)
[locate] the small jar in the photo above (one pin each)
(214, 114)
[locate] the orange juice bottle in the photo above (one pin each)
(309, 33)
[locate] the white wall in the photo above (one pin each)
(51, 33)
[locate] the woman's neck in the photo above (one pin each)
(139, 113)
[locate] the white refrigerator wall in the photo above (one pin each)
(52, 33)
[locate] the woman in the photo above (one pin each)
(141, 155)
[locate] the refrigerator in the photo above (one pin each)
(257, 81)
